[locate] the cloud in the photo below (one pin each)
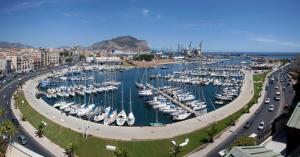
(25, 5)
(204, 24)
(145, 12)
(29, 4)
(275, 41)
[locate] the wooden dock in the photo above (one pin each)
(173, 100)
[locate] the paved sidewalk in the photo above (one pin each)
(44, 142)
(140, 133)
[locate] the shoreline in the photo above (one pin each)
(134, 133)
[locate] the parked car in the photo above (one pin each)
(277, 98)
(261, 125)
(248, 125)
(22, 139)
(271, 108)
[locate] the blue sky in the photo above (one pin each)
(223, 25)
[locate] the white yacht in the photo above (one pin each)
(121, 117)
(102, 115)
(181, 116)
(110, 118)
(130, 118)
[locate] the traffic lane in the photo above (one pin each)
(253, 128)
(240, 131)
(32, 144)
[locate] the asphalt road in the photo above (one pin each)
(8, 90)
(262, 113)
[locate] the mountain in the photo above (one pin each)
(13, 45)
(122, 43)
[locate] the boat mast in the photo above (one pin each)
(122, 98)
(84, 99)
(112, 100)
(156, 118)
(130, 103)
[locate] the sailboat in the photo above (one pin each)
(112, 115)
(103, 113)
(130, 118)
(121, 117)
(156, 124)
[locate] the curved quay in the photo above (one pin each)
(137, 133)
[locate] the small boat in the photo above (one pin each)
(62, 107)
(102, 115)
(58, 104)
(110, 118)
(121, 117)
(139, 85)
(130, 118)
(146, 92)
(181, 116)
(219, 102)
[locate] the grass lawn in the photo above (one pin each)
(94, 146)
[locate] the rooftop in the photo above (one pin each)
(294, 121)
(252, 151)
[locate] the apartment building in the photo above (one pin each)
(25, 63)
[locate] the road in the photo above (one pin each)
(8, 90)
(262, 113)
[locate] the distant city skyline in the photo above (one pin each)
(233, 25)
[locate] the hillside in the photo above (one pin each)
(122, 43)
(13, 45)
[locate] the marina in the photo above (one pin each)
(116, 95)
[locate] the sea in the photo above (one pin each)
(143, 112)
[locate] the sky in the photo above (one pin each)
(222, 25)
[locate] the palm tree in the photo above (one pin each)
(175, 150)
(70, 150)
(41, 129)
(212, 130)
(121, 153)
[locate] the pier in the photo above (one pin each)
(173, 100)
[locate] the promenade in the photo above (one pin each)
(137, 133)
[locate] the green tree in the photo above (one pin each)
(70, 150)
(121, 153)
(211, 131)
(175, 150)
(231, 120)
(7, 131)
(244, 141)
(82, 57)
(146, 57)
(2, 111)
(41, 129)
